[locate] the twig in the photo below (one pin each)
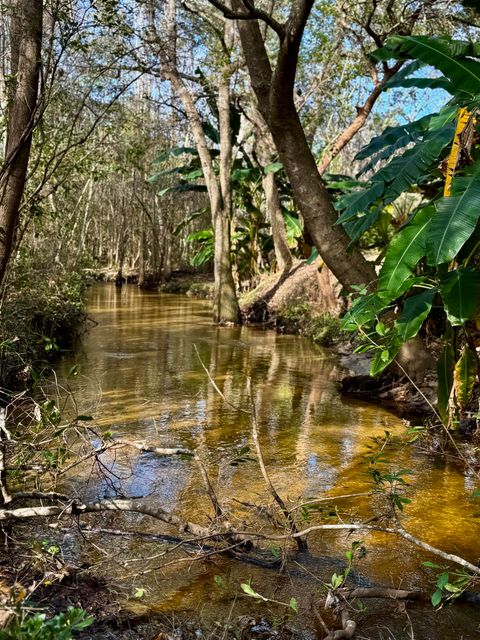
(301, 543)
(208, 485)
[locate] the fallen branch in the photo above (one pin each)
(39, 495)
(159, 451)
(381, 592)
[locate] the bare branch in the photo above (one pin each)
(251, 13)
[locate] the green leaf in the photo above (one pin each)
(452, 588)
(273, 167)
(186, 221)
(406, 248)
(293, 226)
(432, 565)
(426, 83)
(464, 376)
(175, 152)
(408, 132)
(246, 588)
(211, 132)
(294, 604)
(384, 357)
(456, 218)
(364, 310)
(404, 171)
(403, 73)
(445, 366)
(436, 597)
(460, 290)
(415, 311)
(442, 580)
(358, 201)
(139, 592)
(313, 256)
(446, 55)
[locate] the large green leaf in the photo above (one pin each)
(364, 310)
(175, 152)
(390, 136)
(464, 376)
(445, 366)
(398, 175)
(415, 311)
(448, 56)
(403, 73)
(273, 167)
(460, 290)
(186, 221)
(385, 355)
(358, 201)
(182, 188)
(357, 227)
(426, 83)
(404, 171)
(406, 248)
(456, 218)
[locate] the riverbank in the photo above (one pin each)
(42, 314)
(147, 356)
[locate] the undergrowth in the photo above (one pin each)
(301, 318)
(41, 313)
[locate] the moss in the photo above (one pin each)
(302, 318)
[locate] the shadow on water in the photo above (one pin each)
(141, 378)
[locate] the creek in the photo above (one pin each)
(141, 378)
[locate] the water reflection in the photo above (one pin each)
(142, 378)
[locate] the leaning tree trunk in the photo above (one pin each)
(26, 36)
(274, 92)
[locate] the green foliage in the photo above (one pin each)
(323, 328)
(449, 584)
(464, 376)
(39, 627)
(356, 551)
(42, 314)
(249, 591)
(432, 261)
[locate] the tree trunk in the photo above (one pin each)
(26, 35)
(225, 308)
(141, 252)
(274, 92)
(225, 301)
(277, 223)
(266, 154)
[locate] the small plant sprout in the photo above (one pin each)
(449, 585)
(249, 591)
(356, 551)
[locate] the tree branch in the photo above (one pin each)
(251, 13)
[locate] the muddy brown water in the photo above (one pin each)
(141, 378)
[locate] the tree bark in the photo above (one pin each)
(225, 307)
(225, 303)
(353, 128)
(26, 34)
(277, 223)
(266, 155)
